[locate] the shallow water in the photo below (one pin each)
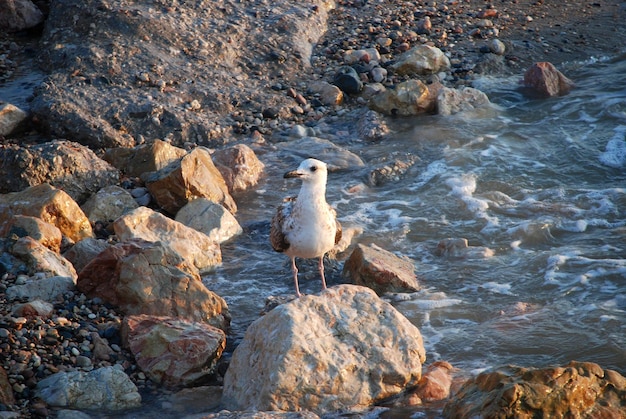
(537, 187)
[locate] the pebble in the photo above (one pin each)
(36, 347)
(83, 362)
(497, 47)
(378, 74)
(270, 113)
(348, 80)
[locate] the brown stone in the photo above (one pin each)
(101, 349)
(6, 391)
(451, 101)
(18, 15)
(436, 382)
(239, 166)
(24, 225)
(11, 117)
(577, 390)
(192, 245)
(421, 60)
(209, 218)
(412, 97)
(193, 176)
(143, 158)
(39, 258)
(51, 205)
(108, 204)
(546, 80)
(380, 270)
(329, 94)
(33, 309)
(83, 252)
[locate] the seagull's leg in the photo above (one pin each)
(321, 267)
(294, 268)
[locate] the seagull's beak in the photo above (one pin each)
(291, 174)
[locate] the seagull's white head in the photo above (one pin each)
(310, 171)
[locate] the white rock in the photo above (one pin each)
(343, 349)
(10, 118)
(451, 101)
(192, 245)
(45, 289)
(209, 218)
(39, 258)
(422, 59)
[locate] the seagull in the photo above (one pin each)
(306, 226)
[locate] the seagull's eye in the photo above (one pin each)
(313, 168)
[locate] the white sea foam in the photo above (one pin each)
(431, 304)
(436, 168)
(497, 288)
(615, 152)
(463, 187)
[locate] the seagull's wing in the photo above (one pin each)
(278, 239)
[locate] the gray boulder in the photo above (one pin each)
(118, 78)
(65, 165)
(106, 388)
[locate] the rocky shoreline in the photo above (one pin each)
(122, 75)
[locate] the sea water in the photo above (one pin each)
(537, 187)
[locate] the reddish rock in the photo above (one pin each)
(380, 270)
(436, 382)
(546, 80)
(239, 167)
(171, 351)
(150, 278)
(577, 390)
